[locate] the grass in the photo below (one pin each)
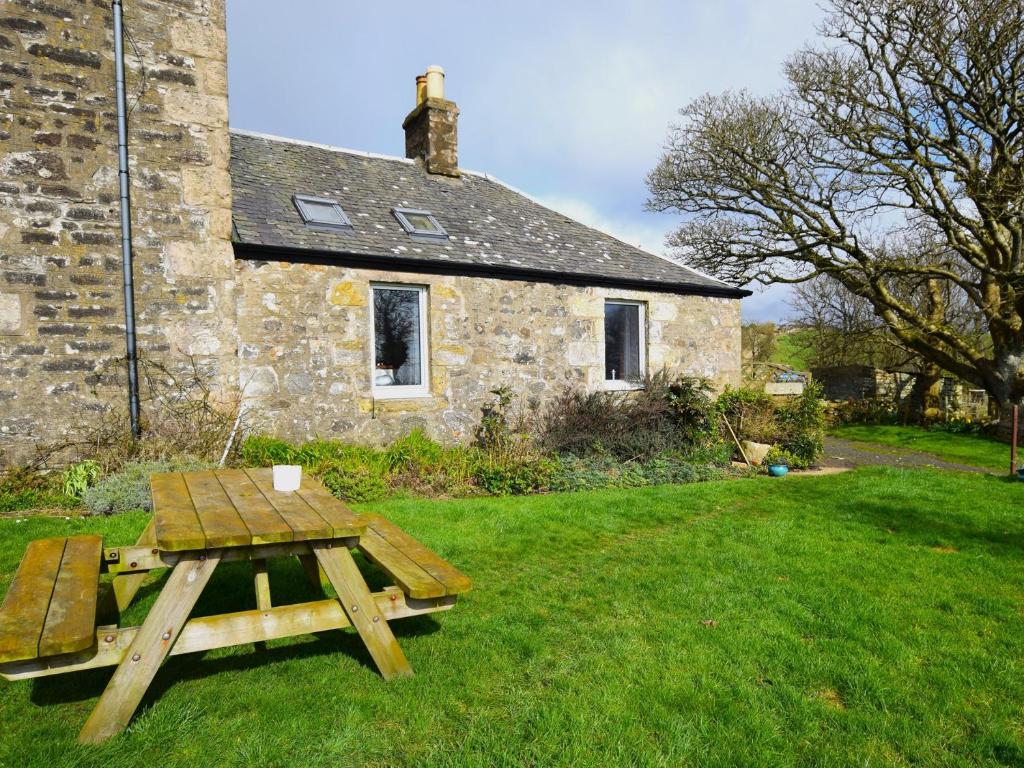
(870, 618)
(792, 349)
(974, 450)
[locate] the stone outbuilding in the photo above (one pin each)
(347, 295)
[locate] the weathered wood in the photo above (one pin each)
(258, 514)
(23, 612)
(343, 520)
(413, 580)
(451, 578)
(177, 525)
(314, 573)
(262, 584)
(305, 523)
(127, 585)
(142, 559)
(71, 617)
(362, 610)
(211, 632)
(222, 524)
(150, 647)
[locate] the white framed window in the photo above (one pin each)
(398, 339)
(625, 342)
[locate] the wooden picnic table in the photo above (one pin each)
(200, 519)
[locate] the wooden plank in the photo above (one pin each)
(314, 573)
(262, 584)
(258, 514)
(150, 647)
(413, 580)
(210, 632)
(221, 522)
(305, 523)
(71, 618)
(24, 608)
(455, 582)
(361, 609)
(344, 521)
(126, 585)
(177, 525)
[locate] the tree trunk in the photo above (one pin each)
(923, 405)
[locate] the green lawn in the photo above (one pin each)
(874, 618)
(791, 349)
(974, 450)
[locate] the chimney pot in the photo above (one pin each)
(421, 89)
(435, 82)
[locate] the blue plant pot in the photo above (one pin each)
(778, 470)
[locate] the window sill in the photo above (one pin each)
(403, 394)
(622, 386)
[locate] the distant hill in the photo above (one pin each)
(790, 351)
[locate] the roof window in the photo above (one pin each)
(321, 212)
(420, 223)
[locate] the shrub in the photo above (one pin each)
(25, 488)
(777, 455)
(667, 415)
(78, 478)
(128, 488)
(354, 482)
(573, 473)
(751, 414)
(801, 422)
(515, 477)
(263, 451)
(863, 412)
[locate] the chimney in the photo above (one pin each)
(431, 128)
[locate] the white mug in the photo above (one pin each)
(287, 477)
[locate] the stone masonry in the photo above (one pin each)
(305, 346)
(61, 310)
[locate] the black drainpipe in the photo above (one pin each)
(126, 223)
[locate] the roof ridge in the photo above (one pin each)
(318, 145)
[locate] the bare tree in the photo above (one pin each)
(760, 340)
(904, 128)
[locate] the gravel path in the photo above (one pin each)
(846, 454)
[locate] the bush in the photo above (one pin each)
(863, 412)
(128, 488)
(751, 414)
(78, 478)
(572, 473)
(777, 455)
(354, 482)
(667, 415)
(24, 488)
(801, 422)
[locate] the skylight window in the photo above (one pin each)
(321, 212)
(422, 223)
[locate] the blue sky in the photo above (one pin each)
(569, 101)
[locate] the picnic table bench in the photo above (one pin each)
(51, 620)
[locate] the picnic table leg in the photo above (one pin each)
(361, 609)
(313, 571)
(151, 646)
(262, 583)
(125, 585)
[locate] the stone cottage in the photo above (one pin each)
(346, 294)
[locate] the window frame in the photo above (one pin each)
(628, 384)
(402, 391)
(311, 222)
(400, 212)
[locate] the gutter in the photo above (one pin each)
(260, 252)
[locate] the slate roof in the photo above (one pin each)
(491, 227)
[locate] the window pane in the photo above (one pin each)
(622, 342)
(420, 222)
(323, 213)
(396, 327)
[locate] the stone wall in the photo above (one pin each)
(61, 309)
(305, 347)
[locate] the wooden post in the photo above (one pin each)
(1013, 440)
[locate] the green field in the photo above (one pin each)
(871, 618)
(975, 450)
(791, 351)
